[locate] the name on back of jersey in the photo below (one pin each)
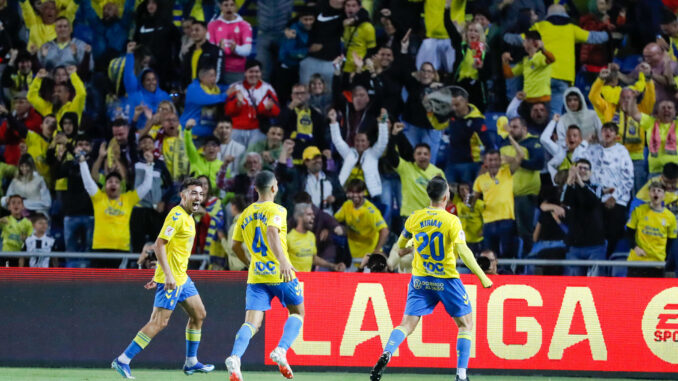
(253, 217)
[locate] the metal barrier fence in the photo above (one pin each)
(205, 258)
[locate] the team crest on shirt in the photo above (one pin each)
(169, 231)
(277, 220)
(462, 235)
(663, 222)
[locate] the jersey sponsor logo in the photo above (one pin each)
(169, 231)
(113, 212)
(660, 325)
(265, 268)
(176, 216)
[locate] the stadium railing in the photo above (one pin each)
(204, 258)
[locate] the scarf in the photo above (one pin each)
(655, 140)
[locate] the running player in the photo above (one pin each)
(439, 240)
(173, 286)
(263, 229)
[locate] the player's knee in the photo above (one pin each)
(199, 315)
(465, 324)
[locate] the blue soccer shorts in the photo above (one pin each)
(259, 295)
(168, 300)
(424, 293)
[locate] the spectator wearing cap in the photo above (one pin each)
(269, 148)
(18, 74)
(273, 17)
(586, 235)
(414, 168)
(32, 188)
(250, 102)
(465, 122)
(201, 54)
(64, 50)
(203, 98)
(233, 35)
(362, 161)
(293, 49)
(651, 231)
(613, 170)
(304, 124)
(359, 34)
(112, 211)
(560, 36)
(324, 42)
(207, 163)
(111, 28)
(324, 189)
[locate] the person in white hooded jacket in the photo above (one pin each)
(362, 156)
(562, 156)
(578, 114)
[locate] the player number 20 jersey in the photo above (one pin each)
(435, 232)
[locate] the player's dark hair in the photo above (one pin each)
(114, 174)
(437, 188)
(574, 127)
(225, 119)
(356, 185)
(239, 202)
(189, 182)
(37, 217)
(532, 35)
(670, 171)
(263, 181)
(585, 161)
(303, 197)
(377, 263)
(422, 144)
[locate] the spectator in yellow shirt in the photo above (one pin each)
(42, 27)
(650, 231)
(301, 243)
(535, 69)
(61, 102)
(359, 34)
(471, 217)
(366, 229)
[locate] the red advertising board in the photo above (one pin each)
(551, 323)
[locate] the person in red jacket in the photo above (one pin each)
(251, 103)
(24, 113)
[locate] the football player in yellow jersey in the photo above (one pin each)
(262, 227)
(438, 241)
(173, 286)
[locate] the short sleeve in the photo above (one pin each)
(377, 219)
(476, 185)
(407, 229)
(237, 230)
(458, 235)
(633, 221)
(172, 223)
(277, 217)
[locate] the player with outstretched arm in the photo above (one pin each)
(262, 226)
(173, 286)
(439, 240)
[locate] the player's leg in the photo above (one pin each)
(290, 295)
(398, 335)
(159, 319)
(465, 325)
(196, 315)
(253, 319)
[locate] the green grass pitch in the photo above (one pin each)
(75, 374)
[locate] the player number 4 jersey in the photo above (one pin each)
(179, 231)
(435, 232)
(251, 229)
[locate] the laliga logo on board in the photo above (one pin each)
(660, 325)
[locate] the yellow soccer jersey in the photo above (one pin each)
(653, 229)
(302, 249)
(179, 232)
(435, 232)
(363, 226)
(111, 220)
(251, 229)
(497, 194)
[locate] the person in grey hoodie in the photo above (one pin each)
(579, 115)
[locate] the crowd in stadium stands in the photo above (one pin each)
(554, 121)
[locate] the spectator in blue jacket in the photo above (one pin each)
(143, 89)
(202, 97)
(293, 49)
(110, 31)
